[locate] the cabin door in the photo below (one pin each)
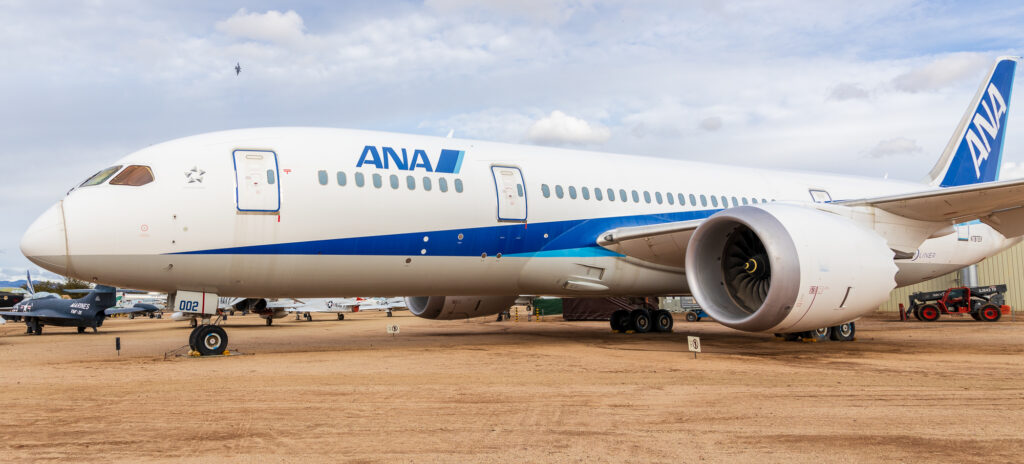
(256, 181)
(511, 191)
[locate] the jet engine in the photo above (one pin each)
(457, 307)
(787, 268)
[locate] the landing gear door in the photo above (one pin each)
(256, 181)
(511, 190)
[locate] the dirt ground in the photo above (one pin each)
(485, 391)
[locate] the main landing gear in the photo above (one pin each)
(208, 339)
(642, 320)
(840, 333)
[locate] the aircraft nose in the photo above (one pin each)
(45, 242)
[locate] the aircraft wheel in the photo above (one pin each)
(341, 317)
(270, 320)
(389, 315)
(990, 313)
(39, 329)
(308, 316)
(131, 316)
(192, 336)
(663, 321)
(81, 329)
(212, 340)
(843, 332)
(691, 316)
(193, 323)
(620, 320)
(929, 313)
(641, 320)
(818, 335)
(976, 316)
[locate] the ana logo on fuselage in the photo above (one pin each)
(449, 161)
(983, 131)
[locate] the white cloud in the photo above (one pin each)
(942, 72)
(894, 146)
(549, 11)
(559, 128)
(272, 26)
(711, 124)
(848, 91)
(1011, 170)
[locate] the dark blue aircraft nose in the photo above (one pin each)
(45, 241)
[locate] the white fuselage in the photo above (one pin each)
(316, 238)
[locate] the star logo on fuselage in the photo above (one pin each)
(194, 175)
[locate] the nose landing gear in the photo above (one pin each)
(208, 340)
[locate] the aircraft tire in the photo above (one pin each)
(212, 340)
(818, 335)
(389, 315)
(620, 320)
(975, 316)
(990, 313)
(270, 321)
(663, 321)
(341, 317)
(38, 328)
(81, 329)
(691, 316)
(192, 336)
(308, 316)
(641, 320)
(843, 332)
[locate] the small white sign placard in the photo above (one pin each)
(393, 329)
(694, 343)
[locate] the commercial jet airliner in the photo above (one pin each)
(471, 225)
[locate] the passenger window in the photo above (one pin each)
(744, 201)
(647, 196)
(611, 195)
(100, 177)
(714, 201)
(360, 179)
(622, 195)
(559, 192)
(378, 181)
(657, 197)
(598, 195)
(725, 202)
(322, 177)
(519, 190)
(141, 175)
(572, 192)
(393, 180)
(426, 183)
(668, 196)
(703, 201)
(585, 192)
(410, 182)
(693, 200)
(754, 200)
(458, 185)
(442, 184)
(734, 202)
(682, 200)
(270, 177)
(545, 190)
(636, 197)
(342, 179)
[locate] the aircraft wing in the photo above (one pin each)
(42, 313)
(998, 204)
(138, 308)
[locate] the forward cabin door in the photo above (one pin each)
(256, 181)
(511, 190)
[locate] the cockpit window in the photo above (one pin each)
(100, 177)
(134, 176)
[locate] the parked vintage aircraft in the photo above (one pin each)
(269, 212)
(89, 311)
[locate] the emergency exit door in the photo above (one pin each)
(511, 190)
(256, 181)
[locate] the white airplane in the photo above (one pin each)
(471, 225)
(305, 307)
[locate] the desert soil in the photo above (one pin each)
(485, 391)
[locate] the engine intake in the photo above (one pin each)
(787, 268)
(457, 307)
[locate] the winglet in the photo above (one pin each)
(974, 153)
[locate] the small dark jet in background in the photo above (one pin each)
(88, 311)
(238, 68)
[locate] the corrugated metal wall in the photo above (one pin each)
(1005, 268)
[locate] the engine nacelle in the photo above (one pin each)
(457, 307)
(787, 268)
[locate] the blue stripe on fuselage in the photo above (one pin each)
(572, 238)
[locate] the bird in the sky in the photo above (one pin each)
(238, 68)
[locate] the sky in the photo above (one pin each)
(872, 88)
